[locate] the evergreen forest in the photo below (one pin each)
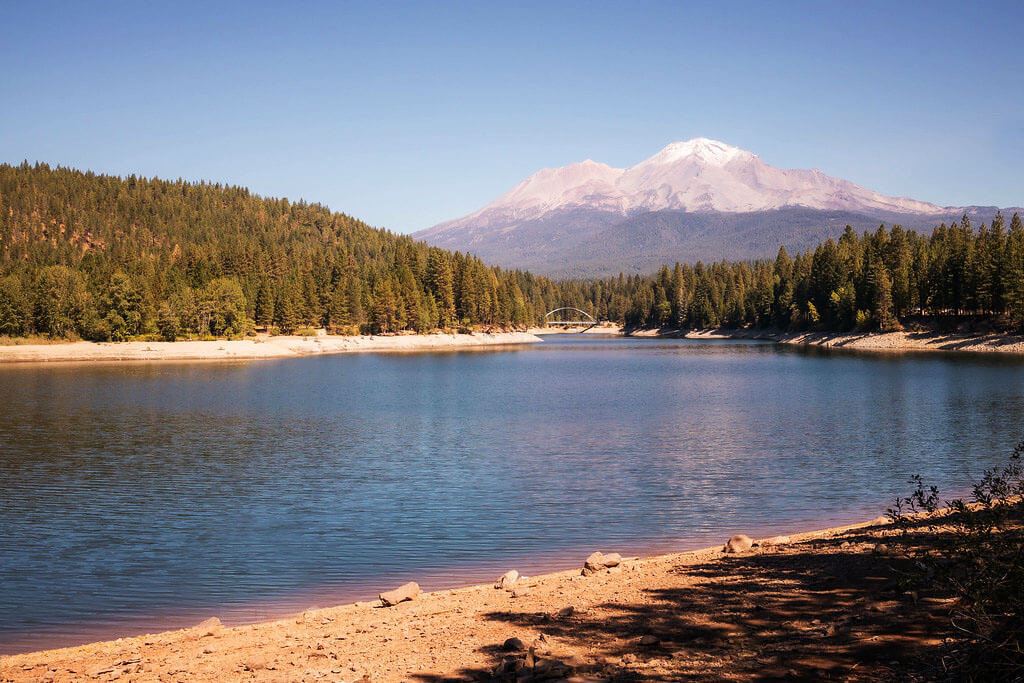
(99, 257)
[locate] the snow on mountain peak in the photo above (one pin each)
(696, 175)
(701, 149)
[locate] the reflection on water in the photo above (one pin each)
(141, 496)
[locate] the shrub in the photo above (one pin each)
(975, 553)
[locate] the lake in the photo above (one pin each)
(146, 496)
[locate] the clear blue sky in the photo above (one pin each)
(406, 114)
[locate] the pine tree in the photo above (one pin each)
(14, 310)
(441, 283)
(62, 302)
(1013, 271)
(167, 322)
(264, 309)
(882, 311)
(385, 307)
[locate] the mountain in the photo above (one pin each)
(694, 200)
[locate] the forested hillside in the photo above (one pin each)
(102, 257)
(869, 281)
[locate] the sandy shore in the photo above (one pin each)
(262, 347)
(873, 341)
(911, 341)
(811, 605)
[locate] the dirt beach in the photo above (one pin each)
(892, 342)
(911, 341)
(260, 347)
(823, 604)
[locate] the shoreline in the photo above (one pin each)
(288, 603)
(253, 348)
(293, 347)
(441, 633)
(597, 329)
(892, 342)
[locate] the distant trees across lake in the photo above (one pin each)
(106, 258)
(860, 282)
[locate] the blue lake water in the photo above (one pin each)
(139, 497)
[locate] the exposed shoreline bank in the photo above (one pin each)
(253, 348)
(451, 633)
(292, 347)
(869, 341)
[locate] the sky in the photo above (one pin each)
(408, 114)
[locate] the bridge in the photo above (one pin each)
(582, 318)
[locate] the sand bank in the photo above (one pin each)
(261, 347)
(910, 341)
(822, 604)
(870, 341)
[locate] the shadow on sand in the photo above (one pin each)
(825, 609)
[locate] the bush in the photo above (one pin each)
(975, 553)
(95, 328)
(864, 321)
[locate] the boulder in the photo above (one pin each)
(507, 580)
(255, 663)
(599, 561)
(405, 592)
(740, 543)
(513, 645)
(210, 627)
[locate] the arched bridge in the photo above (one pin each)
(570, 317)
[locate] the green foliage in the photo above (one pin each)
(973, 552)
(112, 258)
(167, 322)
(222, 308)
(14, 308)
(62, 302)
(865, 282)
(101, 257)
(121, 307)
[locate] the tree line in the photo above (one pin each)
(101, 257)
(858, 282)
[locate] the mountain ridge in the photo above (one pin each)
(549, 221)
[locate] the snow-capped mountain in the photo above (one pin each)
(559, 217)
(696, 175)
